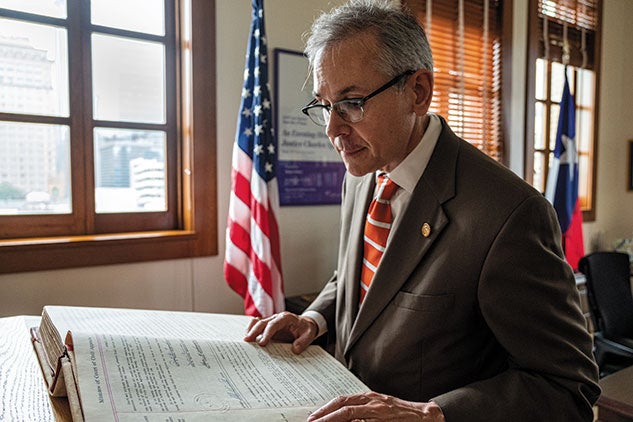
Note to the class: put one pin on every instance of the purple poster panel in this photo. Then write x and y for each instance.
(309, 183)
(309, 170)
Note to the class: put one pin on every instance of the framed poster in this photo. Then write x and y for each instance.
(309, 170)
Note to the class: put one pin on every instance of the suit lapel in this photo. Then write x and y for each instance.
(408, 245)
(363, 194)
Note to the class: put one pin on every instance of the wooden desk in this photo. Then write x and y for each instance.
(616, 402)
(23, 395)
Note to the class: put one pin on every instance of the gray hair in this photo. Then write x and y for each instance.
(402, 43)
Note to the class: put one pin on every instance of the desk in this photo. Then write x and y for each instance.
(616, 402)
(23, 395)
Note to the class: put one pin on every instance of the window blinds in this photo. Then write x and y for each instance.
(579, 18)
(465, 37)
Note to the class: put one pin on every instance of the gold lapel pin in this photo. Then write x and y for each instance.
(426, 230)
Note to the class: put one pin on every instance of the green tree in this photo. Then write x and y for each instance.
(8, 191)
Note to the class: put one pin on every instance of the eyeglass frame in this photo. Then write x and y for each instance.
(360, 102)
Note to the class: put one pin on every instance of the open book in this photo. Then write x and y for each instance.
(129, 365)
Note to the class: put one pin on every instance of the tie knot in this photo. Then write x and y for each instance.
(386, 187)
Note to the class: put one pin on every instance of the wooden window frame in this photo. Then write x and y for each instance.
(195, 232)
(535, 52)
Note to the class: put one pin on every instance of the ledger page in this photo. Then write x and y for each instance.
(193, 325)
(130, 378)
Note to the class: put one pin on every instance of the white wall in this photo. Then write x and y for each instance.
(515, 145)
(309, 234)
(614, 212)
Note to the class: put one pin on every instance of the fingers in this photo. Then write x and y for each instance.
(262, 330)
(284, 326)
(273, 325)
(372, 406)
(254, 329)
(301, 343)
(252, 322)
(306, 337)
(342, 408)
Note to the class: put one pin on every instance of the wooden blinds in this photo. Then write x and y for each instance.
(465, 37)
(579, 18)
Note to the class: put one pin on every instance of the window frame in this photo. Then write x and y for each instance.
(83, 219)
(534, 53)
(194, 229)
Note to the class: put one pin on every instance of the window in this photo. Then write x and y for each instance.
(563, 31)
(466, 40)
(107, 124)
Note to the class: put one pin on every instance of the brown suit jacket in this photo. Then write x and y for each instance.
(482, 316)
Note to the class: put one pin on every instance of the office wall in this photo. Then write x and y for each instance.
(614, 211)
(309, 234)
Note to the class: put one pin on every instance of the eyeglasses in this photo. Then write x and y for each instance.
(351, 110)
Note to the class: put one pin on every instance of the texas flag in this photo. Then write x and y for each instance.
(562, 180)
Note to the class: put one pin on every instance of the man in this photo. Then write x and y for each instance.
(472, 313)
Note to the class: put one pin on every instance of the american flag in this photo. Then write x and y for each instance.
(252, 265)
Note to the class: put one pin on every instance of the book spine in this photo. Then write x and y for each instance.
(71, 390)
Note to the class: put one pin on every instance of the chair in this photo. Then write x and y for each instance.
(608, 277)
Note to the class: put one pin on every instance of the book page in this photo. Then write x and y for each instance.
(58, 320)
(194, 325)
(130, 378)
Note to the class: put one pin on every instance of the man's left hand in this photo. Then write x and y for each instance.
(371, 406)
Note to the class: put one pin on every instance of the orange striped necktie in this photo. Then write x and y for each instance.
(377, 226)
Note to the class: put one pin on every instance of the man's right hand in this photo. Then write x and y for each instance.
(285, 326)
